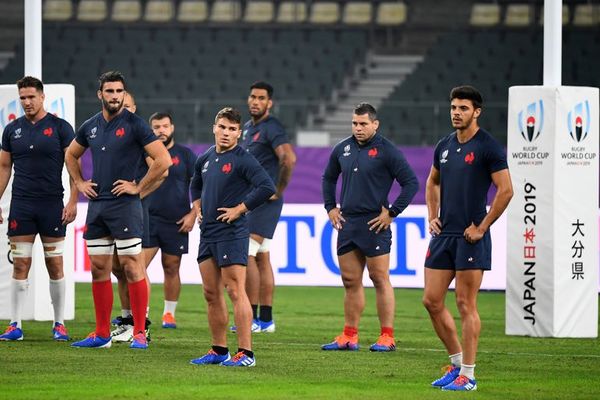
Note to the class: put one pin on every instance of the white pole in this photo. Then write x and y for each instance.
(552, 43)
(33, 38)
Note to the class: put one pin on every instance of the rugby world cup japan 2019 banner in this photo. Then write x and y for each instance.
(303, 250)
(552, 237)
(60, 100)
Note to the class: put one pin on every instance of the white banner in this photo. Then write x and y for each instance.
(552, 272)
(303, 250)
(60, 100)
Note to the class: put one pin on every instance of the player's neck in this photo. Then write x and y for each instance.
(260, 119)
(464, 135)
(220, 149)
(171, 144)
(108, 116)
(37, 117)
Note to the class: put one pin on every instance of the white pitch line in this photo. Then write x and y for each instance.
(413, 349)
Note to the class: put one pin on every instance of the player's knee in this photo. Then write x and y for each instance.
(351, 282)
(379, 280)
(465, 305)
(433, 305)
(234, 292)
(118, 271)
(211, 295)
(171, 269)
(55, 268)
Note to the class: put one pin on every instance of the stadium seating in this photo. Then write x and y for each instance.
(92, 10)
(324, 12)
(192, 11)
(259, 12)
(58, 10)
(391, 13)
(518, 15)
(126, 10)
(225, 11)
(485, 15)
(357, 13)
(291, 12)
(159, 11)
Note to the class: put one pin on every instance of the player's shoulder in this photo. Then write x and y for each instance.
(385, 142)
(487, 139)
(211, 150)
(133, 119)
(341, 145)
(91, 121)
(58, 121)
(14, 124)
(274, 123)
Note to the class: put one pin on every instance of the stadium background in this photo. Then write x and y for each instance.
(193, 57)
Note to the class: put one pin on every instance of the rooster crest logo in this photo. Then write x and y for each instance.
(227, 168)
(469, 158)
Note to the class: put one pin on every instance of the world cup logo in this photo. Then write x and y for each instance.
(578, 121)
(531, 121)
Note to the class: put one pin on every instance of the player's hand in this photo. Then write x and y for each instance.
(1, 219)
(435, 226)
(187, 222)
(473, 233)
(199, 218)
(381, 222)
(336, 219)
(69, 213)
(87, 188)
(275, 196)
(229, 214)
(124, 187)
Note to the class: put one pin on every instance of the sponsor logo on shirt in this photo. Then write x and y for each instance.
(48, 132)
(244, 133)
(444, 158)
(13, 224)
(120, 132)
(17, 134)
(205, 167)
(373, 152)
(227, 168)
(256, 137)
(346, 151)
(469, 158)
(175, 160)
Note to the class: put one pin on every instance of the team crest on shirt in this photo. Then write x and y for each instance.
(372, 152)
(93, 132)
(48, 132)
(469, 158)
(120, 132)
(175, 160)
(444, 158)
(17, 134)
(205, 167)
(226, 168)
(346, 151)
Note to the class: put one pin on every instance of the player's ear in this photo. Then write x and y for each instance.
(99, 94)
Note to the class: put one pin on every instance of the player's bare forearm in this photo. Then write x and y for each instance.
(287, 162)
(504, 193)
(5, 172)
(432, 194)
(154, 176)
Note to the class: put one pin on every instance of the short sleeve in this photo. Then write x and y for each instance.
(66, 134)
(143, 133)
(6, 140)
(436, 155)
(80, 137)
(277, 135)
(496, 158)
(191, 161)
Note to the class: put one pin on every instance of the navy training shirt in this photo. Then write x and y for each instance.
(171, 200)
(368, 172)
(38, 155)
(226, 180)
(117, 149)
(261, 140)
(465, 178)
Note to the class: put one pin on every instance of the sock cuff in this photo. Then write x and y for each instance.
(138, 283)
(350, 330)
(57, 281)
(21, 284)
(468, 366)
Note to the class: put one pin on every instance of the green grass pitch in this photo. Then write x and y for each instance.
(290, 364)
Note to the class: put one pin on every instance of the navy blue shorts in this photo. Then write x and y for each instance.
(146, 221)
(355, 234)
(455, 253)
(263, 220)
(118, 218)
(227, 252)
(165, 236)
(33, 216)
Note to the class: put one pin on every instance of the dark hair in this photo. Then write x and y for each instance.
(231, 114)
(30, 81)
(111, 76)
(160, 115)
(130, 95)
(467, 92)
(366, 108)
(263, 85)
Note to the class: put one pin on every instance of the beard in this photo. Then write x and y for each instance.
(112, 108)
(168, 141)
